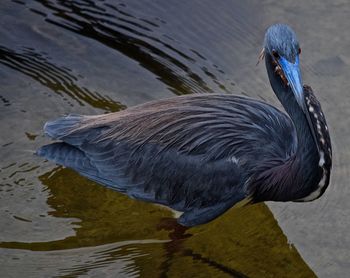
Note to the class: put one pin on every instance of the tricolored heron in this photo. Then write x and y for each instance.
(202, 154)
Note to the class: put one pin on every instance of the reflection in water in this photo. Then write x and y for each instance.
(59, 80)
(109, 260)
(229, 246)
(109, 24)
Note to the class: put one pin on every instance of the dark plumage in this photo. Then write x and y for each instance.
(202, 154)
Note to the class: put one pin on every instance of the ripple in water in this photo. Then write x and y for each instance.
(59, 80)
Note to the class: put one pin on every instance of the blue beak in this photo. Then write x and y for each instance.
(293, 75)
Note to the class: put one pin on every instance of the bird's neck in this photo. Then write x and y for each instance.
(305, 161)
(285, 95)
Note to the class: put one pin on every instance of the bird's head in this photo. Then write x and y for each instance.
(282, 50)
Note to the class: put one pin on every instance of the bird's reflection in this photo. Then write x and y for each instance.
(136, 237)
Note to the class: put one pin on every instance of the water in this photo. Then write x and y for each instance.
(90, 57)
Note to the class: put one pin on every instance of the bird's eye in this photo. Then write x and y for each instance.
(299, 51)
(275, 54)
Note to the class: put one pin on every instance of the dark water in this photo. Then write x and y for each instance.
(89, 57)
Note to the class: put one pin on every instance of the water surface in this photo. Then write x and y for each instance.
(90, 57)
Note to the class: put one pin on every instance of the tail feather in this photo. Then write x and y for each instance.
(60, 127)
(71, 157)
(67, 155)
(68, 130)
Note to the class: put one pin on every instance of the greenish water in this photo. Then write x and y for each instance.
(90, 57)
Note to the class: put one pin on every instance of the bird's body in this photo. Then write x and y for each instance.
(202, 154)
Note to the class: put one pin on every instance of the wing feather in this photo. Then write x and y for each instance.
(191, 153)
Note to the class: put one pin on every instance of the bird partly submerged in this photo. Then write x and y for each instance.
(202, 154)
